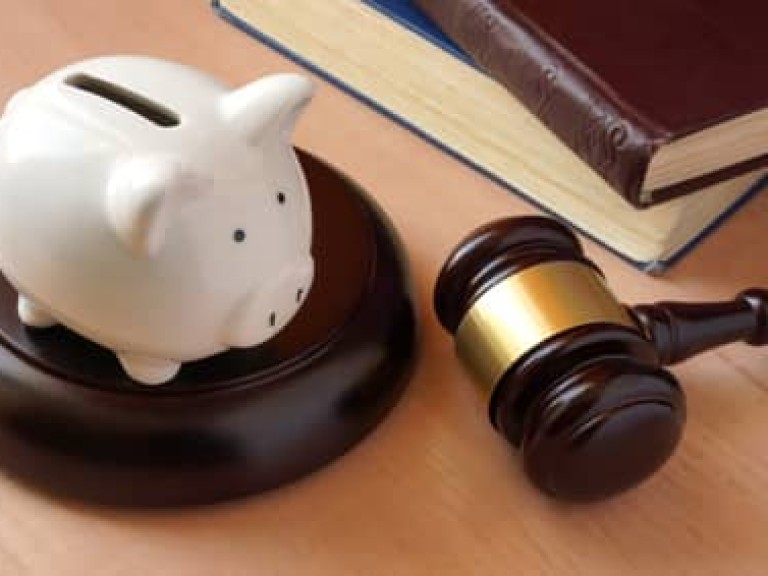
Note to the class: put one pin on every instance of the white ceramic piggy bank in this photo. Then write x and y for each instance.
(154, 211)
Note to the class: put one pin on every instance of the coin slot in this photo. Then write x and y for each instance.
(136, 103)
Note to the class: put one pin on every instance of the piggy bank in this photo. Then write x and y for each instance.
(154, 211)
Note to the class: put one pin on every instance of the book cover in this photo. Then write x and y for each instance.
(413, 75)
(660, 97)
(407, 14)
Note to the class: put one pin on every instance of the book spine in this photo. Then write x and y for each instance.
(605, 133)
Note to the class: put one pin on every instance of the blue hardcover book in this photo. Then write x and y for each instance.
(471, 117)
(408, 15)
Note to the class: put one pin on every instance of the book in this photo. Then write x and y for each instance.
(658, 96)
(413, 75)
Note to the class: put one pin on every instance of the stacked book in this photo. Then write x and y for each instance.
(642, 124)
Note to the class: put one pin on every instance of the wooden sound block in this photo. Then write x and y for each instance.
(73, 424)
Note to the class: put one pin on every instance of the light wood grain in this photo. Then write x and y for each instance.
(433, 490)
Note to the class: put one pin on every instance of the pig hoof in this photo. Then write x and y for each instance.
(33, 315)
(148, 370)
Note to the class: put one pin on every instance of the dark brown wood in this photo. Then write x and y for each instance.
(494, 252)
(526, 380)
(592, 409)
(681, 330)
(73, 424)
(602, 429)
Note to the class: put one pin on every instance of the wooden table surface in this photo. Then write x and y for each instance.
(433, 490)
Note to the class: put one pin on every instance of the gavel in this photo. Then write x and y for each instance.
(574, 378)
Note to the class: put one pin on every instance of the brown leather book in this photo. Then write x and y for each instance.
(660, 97)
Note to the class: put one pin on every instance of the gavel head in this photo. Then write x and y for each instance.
(570, 378)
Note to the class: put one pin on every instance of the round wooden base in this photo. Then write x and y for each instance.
(73, 424)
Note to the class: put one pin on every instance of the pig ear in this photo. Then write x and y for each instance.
(140, 196)
(269, 107)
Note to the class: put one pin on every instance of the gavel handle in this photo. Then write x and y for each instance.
(682, 330)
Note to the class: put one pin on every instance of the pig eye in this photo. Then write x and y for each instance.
(281, 198)
(239, 235)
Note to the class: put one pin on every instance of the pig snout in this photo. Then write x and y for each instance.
(286, 293)
(269, 307)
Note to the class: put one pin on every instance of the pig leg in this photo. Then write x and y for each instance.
(33, 314)
(146, 369)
